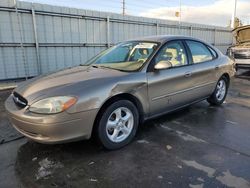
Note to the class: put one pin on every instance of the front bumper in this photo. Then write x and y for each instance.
(55, 128)
(242, 63)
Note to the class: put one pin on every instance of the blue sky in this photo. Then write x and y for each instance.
(132, 6)
(213, 12)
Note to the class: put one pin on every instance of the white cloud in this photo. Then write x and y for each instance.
(218, 13)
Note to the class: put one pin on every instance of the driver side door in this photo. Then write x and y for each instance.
(169, 88)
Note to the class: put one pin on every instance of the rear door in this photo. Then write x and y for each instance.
(204, 68)
(169, 89)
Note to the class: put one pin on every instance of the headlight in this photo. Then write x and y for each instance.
(230, 53)
(52, 105)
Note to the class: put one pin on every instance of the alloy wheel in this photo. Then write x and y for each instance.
(221, 90)
(120, 124)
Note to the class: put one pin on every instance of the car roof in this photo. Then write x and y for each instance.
(164, 38)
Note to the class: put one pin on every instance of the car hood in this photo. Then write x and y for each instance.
(44, 84)
(242, 34)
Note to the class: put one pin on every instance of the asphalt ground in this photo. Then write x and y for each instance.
(199, 146)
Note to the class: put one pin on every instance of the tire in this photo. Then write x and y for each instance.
(220, 92)
(117, 125)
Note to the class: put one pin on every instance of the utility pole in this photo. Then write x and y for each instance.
(123, 7)
(180, 4)
(234, 14)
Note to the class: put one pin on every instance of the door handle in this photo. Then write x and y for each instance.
(188, 74)
(216, 67)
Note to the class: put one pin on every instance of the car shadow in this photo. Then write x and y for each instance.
(243, 74)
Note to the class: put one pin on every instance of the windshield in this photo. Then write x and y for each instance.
(127, 56)
(244, 35)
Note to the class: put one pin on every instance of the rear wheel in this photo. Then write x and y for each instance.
(220, 92)
(118, 124)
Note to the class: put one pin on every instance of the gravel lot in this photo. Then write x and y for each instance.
(199, 146)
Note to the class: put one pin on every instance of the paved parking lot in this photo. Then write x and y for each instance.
(199, 146)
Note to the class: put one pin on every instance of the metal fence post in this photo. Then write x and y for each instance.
(214, 36)
(39, 67)
(21, 40)
(108, 31)
(157, 28)
(191, 30)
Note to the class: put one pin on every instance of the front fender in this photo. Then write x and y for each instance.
(96, 97)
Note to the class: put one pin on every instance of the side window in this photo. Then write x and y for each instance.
(174, 53)
(200, 52)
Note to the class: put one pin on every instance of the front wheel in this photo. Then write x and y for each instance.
(220, 92)
(118, 124)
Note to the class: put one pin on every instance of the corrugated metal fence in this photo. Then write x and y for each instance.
(36, 39)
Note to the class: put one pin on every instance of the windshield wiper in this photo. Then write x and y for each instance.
(106, 67)
(83, 64)
(110, 68)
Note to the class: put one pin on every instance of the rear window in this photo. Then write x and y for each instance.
(200, 52)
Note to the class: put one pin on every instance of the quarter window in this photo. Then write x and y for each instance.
(174, 53)
(200, 53)
(213, 52)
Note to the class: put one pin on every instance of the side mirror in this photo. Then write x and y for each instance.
(163, 65)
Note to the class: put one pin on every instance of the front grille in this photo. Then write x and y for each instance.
(241, 55)
(19, 100)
